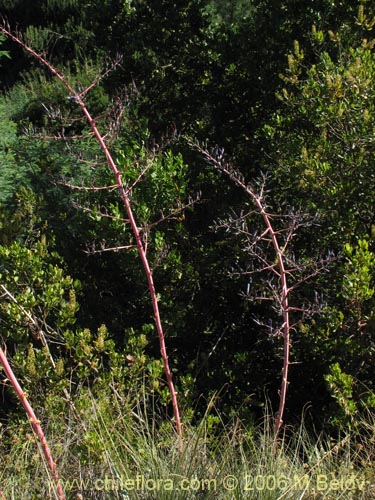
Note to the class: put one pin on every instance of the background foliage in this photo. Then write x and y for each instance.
(287, 90)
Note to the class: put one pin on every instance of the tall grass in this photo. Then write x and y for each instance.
(110, 454)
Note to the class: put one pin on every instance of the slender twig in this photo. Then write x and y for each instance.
(124, 195)
(173, 215)
(98, 213)
(109, 249)
(101, 77)
(88, 188)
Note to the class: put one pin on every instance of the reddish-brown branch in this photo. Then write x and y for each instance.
(282, 298)
(34, 422)
(284, 294)
(76, 97)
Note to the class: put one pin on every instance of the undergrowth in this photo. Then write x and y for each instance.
(105, 451)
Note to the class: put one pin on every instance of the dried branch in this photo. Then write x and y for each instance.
(236, 176)
(283, 267)
(93, 250)
(112, 66)
(140, 176)
(87, 188)
(172, 215)
(100, 214)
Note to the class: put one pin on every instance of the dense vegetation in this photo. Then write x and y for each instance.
(284, 93)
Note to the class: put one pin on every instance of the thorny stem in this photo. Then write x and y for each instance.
(282, 274)
(126, 202)
(283, 300)
(34, 422)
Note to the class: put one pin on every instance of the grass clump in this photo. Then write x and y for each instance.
(108, 453)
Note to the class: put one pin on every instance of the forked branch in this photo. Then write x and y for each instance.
(281, 272)
(78, 98)
(271, 248)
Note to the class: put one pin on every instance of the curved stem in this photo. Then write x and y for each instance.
(34, 422)
(283, 298)
(282, 275)
(126, 202)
